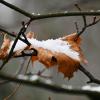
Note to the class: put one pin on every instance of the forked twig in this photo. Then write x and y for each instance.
(88, 25)
(95, 21)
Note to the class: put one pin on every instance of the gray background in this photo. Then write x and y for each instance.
(52, 28)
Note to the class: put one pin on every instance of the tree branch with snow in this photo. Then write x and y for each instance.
(47, 84)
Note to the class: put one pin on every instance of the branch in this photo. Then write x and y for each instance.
(92, 79)
(48, 85)
(50, 15)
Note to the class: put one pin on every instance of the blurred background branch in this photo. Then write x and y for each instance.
(47, 84)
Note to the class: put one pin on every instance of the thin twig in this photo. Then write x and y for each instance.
(84, 17)
(88, 25)
(92, 79)
(76, 25)
(12, 93)
(18, 85)
(17, 72)
(85, 26)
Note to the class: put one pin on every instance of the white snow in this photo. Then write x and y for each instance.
(25, 77)
(56, 45)
(48, 81)
(20, 45)
(34, 78)
(67, 86)
(92, 88)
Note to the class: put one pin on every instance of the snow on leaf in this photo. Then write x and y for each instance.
(64, 52)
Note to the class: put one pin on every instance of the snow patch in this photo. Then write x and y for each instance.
(92, 88)
(56, 45)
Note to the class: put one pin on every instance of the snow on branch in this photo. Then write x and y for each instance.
(50, 15)
(47, 84)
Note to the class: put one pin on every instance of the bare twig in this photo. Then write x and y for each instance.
(76, 25)
(95, 21)
(17, 72)
(12, 93)
(84, 17)
(87, 25)
(50, 15)
(92, 79)
(18, 85)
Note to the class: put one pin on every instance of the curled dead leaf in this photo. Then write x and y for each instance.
(66, 64)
